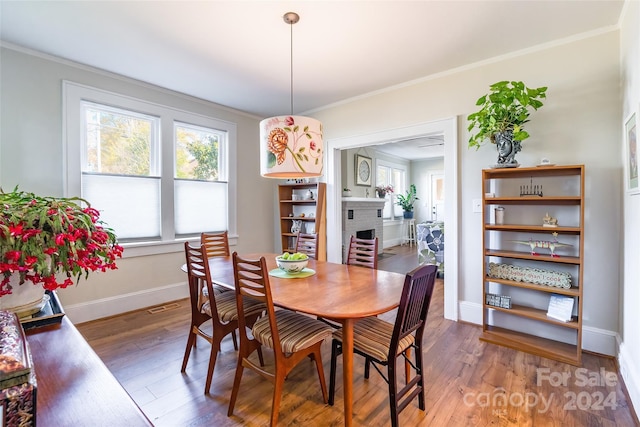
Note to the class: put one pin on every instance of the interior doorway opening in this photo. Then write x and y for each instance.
(448, 128)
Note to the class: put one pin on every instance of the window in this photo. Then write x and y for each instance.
(157, 174)
(200, 179)
(395, 175)
(120, 169)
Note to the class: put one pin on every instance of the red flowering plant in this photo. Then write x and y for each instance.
(52, 241)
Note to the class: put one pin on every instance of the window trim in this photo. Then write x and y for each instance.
(73, 93)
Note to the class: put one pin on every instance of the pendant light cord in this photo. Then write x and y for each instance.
(291, 63)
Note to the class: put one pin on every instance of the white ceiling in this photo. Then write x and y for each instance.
(237, 53)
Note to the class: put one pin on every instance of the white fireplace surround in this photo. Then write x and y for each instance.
(361, 214)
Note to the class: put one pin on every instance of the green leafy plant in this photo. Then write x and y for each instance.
(408, 199)
(506, 107)
(52, 241)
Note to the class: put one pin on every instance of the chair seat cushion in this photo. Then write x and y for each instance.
(227, 308)
(217, 289)
(372, 336)
(296, 331)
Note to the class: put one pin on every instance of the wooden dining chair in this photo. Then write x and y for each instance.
(381, 342)
(218, 310)
(307, 244)
(217, 244)
(363, 252)
(292, 336)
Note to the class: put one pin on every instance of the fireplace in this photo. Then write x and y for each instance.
(366, 234)
(361, 217)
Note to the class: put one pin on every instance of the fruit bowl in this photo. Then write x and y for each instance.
(291, 265)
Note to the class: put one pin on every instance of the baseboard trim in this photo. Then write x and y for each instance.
(105, 307)
(595, 340)
(470, 312)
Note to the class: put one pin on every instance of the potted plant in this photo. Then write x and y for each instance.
(503, 112)
(407, 200)
(383, 190)
(346, 192)
(51, 242)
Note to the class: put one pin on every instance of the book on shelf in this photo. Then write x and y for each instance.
(560, 308)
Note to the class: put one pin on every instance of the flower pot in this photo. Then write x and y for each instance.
(25, 299)
(507, 149)
(408, 215)
(346, 193)
(381, 194)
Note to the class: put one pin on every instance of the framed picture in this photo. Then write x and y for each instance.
(364, 170)
(631, 150)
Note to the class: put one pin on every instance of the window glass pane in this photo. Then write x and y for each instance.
(197, 153)
(399, 184)
(130, 205)
(118, 141)
(200, 206)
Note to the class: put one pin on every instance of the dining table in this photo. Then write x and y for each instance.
(338, 292)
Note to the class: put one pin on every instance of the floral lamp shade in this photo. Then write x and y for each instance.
(291, 147)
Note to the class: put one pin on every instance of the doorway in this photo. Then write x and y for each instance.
(446, 127)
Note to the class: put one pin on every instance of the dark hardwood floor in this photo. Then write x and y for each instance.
(468, 382)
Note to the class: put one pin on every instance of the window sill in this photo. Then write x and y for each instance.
(138, 249)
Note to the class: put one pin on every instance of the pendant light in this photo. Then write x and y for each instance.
(291, 146)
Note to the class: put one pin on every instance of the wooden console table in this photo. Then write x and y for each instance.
(75, 388)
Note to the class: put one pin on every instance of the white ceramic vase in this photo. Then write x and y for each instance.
(25, 299)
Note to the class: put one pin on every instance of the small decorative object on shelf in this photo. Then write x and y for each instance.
(502, 301)
(560, 308)
(346, 192)
(296, 226)
(537, 276)
(499, 215)
(17, 378)
(549, 221)
(545, 244)
(531, 190)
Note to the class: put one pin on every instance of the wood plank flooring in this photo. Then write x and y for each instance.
(468, 382)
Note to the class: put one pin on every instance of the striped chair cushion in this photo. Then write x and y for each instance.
(217, 289)
(227, 309)
(297, 331)
(372, 336)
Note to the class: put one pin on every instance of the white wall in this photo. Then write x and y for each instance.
(31, 154)
(579, 124)
(629, 338)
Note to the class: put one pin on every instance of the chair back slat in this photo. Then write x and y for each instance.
(414, 305)
(307, 244)
(216, 244)
(363, 252)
